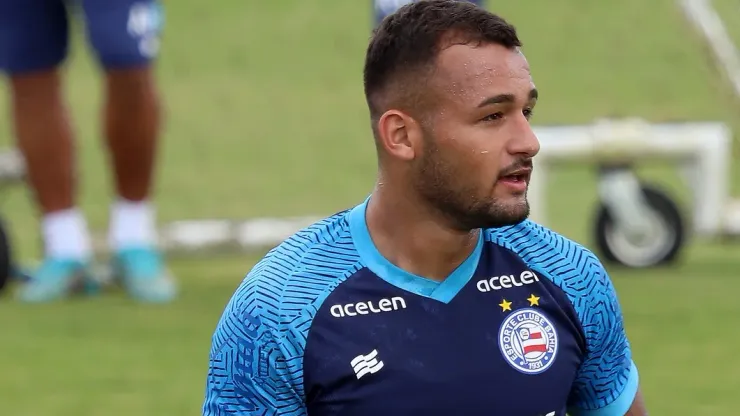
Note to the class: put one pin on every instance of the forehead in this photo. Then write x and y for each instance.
(476, 72)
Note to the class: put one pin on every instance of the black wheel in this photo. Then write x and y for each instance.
(658, 246)
(5, 258)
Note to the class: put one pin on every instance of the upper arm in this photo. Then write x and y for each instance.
(247, 370)
(607, 380)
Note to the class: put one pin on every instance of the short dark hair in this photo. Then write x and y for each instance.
(407, 42)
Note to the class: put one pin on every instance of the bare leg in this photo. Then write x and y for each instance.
(132, 123)
(125, 35)
(44, 135)
(35, 47)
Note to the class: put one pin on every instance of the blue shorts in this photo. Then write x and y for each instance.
(34, 34)
(383, 8)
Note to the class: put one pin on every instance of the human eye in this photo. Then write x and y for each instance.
(493, 117)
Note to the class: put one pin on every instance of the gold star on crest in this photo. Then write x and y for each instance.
(505, 305)
(534, 300)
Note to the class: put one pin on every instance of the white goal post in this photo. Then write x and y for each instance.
(702, 151)
(708, 22)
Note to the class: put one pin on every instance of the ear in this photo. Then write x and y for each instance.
(400, 135)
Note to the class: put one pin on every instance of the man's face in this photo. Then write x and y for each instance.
(478, 143)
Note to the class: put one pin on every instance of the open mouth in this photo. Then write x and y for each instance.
(517, 180)
(519, 177)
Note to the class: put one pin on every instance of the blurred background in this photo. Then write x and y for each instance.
(266, 118)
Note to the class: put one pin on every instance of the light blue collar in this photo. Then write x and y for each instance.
(442, 292)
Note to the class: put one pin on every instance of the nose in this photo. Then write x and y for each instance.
(523, 141)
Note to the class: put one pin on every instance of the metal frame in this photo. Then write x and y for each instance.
(701, 150)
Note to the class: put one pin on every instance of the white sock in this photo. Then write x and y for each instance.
(66, 235)
(132, 224)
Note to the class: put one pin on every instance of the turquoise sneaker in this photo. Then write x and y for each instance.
(56, 279)
(143, 274)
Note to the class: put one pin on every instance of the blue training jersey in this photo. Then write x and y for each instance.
(324, 325)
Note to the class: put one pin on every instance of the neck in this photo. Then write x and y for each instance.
(414, 237)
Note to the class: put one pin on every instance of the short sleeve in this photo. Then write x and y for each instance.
(247, 370)
(607, 380)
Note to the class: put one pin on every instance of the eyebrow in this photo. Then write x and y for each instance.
(506, 98)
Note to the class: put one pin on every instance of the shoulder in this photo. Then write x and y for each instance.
(285, 289)
(572, 267)
(544, 247)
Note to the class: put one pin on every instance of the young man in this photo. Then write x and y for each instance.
(33, 45)
(435, 296)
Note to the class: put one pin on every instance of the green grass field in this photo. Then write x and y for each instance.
(267, 117)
